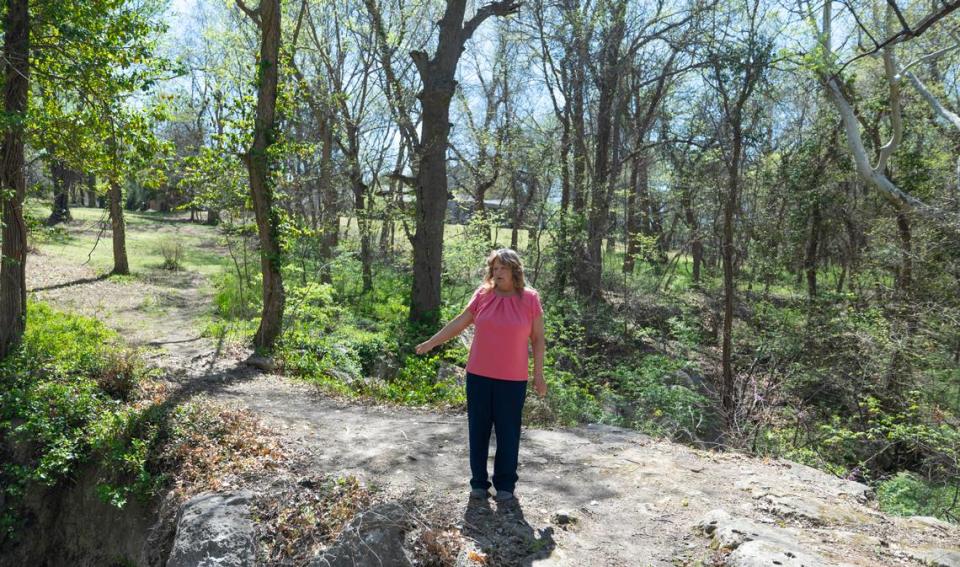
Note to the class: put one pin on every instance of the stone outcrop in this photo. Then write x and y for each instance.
(374, 537)
(215, 530)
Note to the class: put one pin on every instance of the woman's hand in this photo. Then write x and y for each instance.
(425, 346)
(540, 386)
(450, 330)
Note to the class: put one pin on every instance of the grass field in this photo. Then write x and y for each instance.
(146, 232)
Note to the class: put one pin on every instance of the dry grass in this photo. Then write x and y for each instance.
(212, 447)
(296, 522)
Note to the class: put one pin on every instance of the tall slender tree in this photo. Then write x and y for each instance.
(13, 254)
(738, 67)
(257, 158)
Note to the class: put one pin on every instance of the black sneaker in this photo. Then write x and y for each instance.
(504, 496)
(479, 493)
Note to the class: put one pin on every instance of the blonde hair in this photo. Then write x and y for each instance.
(510, 258)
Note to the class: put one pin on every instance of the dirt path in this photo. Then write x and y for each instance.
(587, 496)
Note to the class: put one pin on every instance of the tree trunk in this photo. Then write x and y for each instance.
(329, 213)
(696, 243)
(120, 264)
(575, 245)
(437, 74)
(92, 198)
(905, 275)
(813, 245)
(359, 206)
(431, 205)
(515, 221)
(261, 187)
(591, 263)
(63, 182)
(562, 249)
(729, 209)
(16, 69)
(638, 182)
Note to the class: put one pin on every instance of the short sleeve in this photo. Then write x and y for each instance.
(474, 305)
(536, 310)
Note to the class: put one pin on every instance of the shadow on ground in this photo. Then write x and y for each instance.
(504, 534)
(81, 281)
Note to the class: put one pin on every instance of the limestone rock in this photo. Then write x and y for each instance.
(935, 557)
(931, 522)
(264, 363)
(730, 533)
(214, 530)
(448, 371)
(374, 537)
(759, 553)
(810, 509)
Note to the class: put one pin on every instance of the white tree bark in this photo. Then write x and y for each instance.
(945, 116)
(874, 175)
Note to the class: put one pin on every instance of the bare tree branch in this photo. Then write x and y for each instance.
(896, 106)
(902, 201)
(942, 112)
(422, 61)
(928, 57)
(503, 8)
(947, 8)
(253, 14)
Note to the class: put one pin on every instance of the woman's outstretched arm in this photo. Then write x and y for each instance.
(450, 330)
(539, 349)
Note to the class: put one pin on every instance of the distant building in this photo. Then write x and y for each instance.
(461, 208)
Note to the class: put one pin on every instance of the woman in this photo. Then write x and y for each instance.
(507, 316)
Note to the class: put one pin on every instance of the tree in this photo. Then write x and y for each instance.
(437, 75)
(89, 60)
(65, 180)
(16, 73)
(259, 161)
(737, 68)
(605, 169)
(350, 77)
(830, 71)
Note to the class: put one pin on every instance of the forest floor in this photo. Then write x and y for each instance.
(592, 495)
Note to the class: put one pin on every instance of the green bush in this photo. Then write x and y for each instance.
(236, 298)
(569, 402)
(312, 354)
(906, 494)
(62, 404)
(653, 403)
(172, 251)
(418, 383)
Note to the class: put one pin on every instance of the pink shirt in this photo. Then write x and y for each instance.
(502, 333)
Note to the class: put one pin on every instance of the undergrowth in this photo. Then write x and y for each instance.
(72, 396)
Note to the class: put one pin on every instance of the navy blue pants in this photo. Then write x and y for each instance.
(496, 403)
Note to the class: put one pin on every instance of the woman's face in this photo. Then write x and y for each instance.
(502, 276)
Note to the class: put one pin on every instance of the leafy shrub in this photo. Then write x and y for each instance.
(55, 409)
(684, 331)
(418, 383)
(172, 251)
(463, 256)
(237, 299)
(655, 405)
(568, 402)
(312, 353)
(906, 494)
